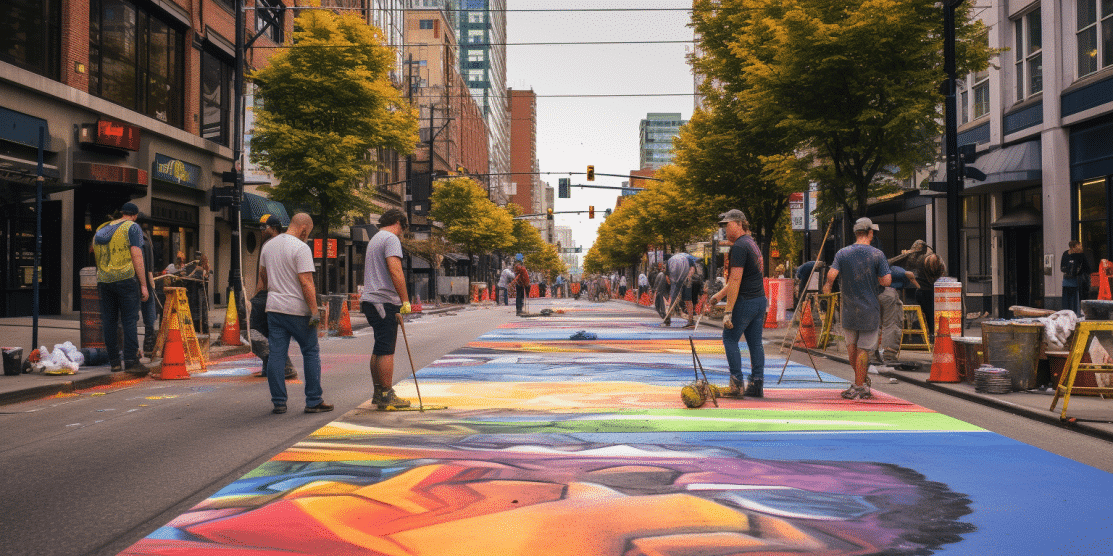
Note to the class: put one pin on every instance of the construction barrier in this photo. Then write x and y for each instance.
(575, 288)
(948, 305)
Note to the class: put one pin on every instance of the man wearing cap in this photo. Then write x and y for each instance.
(118, 247)
(745, 304)
(864, 271)
(385, 297)
(521, 283)
(260, 345)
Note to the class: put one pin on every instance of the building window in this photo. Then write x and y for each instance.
(1093, 222)
(477, 56)
(135, 60)
(476, 17)
(1092, 55)
(964, 106)
(981, 94)
(1029, 55)
(216, 98)
(31, 36)
(270, 11)
(475, 35)
(425, 24)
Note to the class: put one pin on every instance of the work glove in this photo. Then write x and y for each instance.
(406, 309)
(314, 321)
(726, 321)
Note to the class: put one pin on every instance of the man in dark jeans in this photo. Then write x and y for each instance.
(521, 282)
(260, 345)
(1076, 276)
(746, 305)
(149, 307)
(118, 246)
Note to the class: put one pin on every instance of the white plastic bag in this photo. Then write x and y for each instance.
(72, 353)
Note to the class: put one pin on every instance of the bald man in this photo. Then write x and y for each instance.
(286, 272)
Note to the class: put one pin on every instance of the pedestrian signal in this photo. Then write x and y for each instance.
(591, 211)
(564, 188)
(550, 214)
(590, 172)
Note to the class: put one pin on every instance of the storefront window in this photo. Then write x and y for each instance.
(135, 60)
(1093, 226)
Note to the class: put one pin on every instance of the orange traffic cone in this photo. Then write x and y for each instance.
(1105, 269)
(231, 333)
(773, 288)
(533, 291)
(943, 368)
(345, 330)
(807, 326)
(173, 356)
(485, 296)
(417, 308)
(646, 300)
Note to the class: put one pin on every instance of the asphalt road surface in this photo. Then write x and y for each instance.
(95, 472)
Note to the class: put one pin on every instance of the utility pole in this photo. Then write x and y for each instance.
(409, 170)
(235, 276)
(954, 178)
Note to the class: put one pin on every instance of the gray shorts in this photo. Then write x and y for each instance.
(864, 339)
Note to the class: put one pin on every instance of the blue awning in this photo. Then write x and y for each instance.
(254, 207)
(1015, 163)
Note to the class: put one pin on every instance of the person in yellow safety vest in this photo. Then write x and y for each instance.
(118, 247)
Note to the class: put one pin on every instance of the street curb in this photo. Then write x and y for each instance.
(1015, 409)
(47, 390)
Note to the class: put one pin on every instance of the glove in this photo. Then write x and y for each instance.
(406, 309)
(314, 321)
(726, 321)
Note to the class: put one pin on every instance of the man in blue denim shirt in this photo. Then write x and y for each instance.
(746, 304)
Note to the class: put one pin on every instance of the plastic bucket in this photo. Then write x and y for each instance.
(1016, 347)
(13, 360)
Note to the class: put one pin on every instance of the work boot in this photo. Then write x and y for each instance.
(857, 393)
(319, 408)
(384, 399)
(149, 338)
(755, 390)
(117, 367)
(136, 368)
(735, 389)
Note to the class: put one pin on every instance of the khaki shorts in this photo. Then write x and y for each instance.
(864, 339)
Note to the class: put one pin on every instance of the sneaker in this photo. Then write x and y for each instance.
(279, 409)
(755, 389)
(691, 324)
(387, 398)
(857, 393)
(136, 368)
(319, 408)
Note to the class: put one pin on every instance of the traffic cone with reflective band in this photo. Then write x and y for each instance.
(173, 356)
(345, 329)
(231, 334)
(485, 296)
(943, 368)
(772, 288)
(807, 326)
(1105, 270)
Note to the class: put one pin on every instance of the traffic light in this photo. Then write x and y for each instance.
(550, 214)
(590, 172)
(591, 210)
(967, 154)
(606, 213)
(221, 197)
(564, 188)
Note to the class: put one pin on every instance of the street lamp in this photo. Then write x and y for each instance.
(954, 178)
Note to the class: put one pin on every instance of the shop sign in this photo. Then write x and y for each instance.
(318, 247)
(176, 171)
(107, 133)
(108, 173)
(21, 128)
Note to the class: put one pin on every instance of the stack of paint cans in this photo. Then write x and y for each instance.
(992, 380)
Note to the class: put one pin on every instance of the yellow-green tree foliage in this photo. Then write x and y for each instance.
(470, 219)
(327, 101)
(854, 82)
(546, 260)
(526, 236)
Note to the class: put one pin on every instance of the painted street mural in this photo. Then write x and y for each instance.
(554, 446)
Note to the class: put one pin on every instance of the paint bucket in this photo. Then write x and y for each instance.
(968, 356)
(13, 360)
(1014, 346)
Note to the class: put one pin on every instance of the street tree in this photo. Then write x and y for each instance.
(547, 261)
(526, 237)
(855, 83)
(327, 103)
(470, 219)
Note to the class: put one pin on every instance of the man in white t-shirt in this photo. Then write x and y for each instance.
(286, 272)
(505, 278)
(384, 297)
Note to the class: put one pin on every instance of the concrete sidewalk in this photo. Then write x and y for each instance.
(54, 329)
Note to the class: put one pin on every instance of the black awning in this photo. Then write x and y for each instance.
(1021, 218)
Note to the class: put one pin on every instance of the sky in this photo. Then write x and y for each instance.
(575, 132)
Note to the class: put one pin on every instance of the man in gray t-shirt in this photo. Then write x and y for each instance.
(385, 297)
(862, 269)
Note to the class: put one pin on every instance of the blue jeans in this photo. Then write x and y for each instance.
(748, 318)
(502, 298)
(282, 328)
(1071, 299)
(149, 311)
(521, 299)
(119, 303)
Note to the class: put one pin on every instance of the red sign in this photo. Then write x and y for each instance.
(317, 249)
(108, 173)
(118, 135)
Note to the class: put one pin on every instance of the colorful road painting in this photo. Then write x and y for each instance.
(554, 452)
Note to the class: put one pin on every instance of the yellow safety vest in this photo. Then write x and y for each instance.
(114, 257)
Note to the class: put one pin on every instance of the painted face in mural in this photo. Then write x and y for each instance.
(478, 497)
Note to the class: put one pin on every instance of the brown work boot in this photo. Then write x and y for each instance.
(386, 399)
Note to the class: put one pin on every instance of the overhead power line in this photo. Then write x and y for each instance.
(484, 44)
